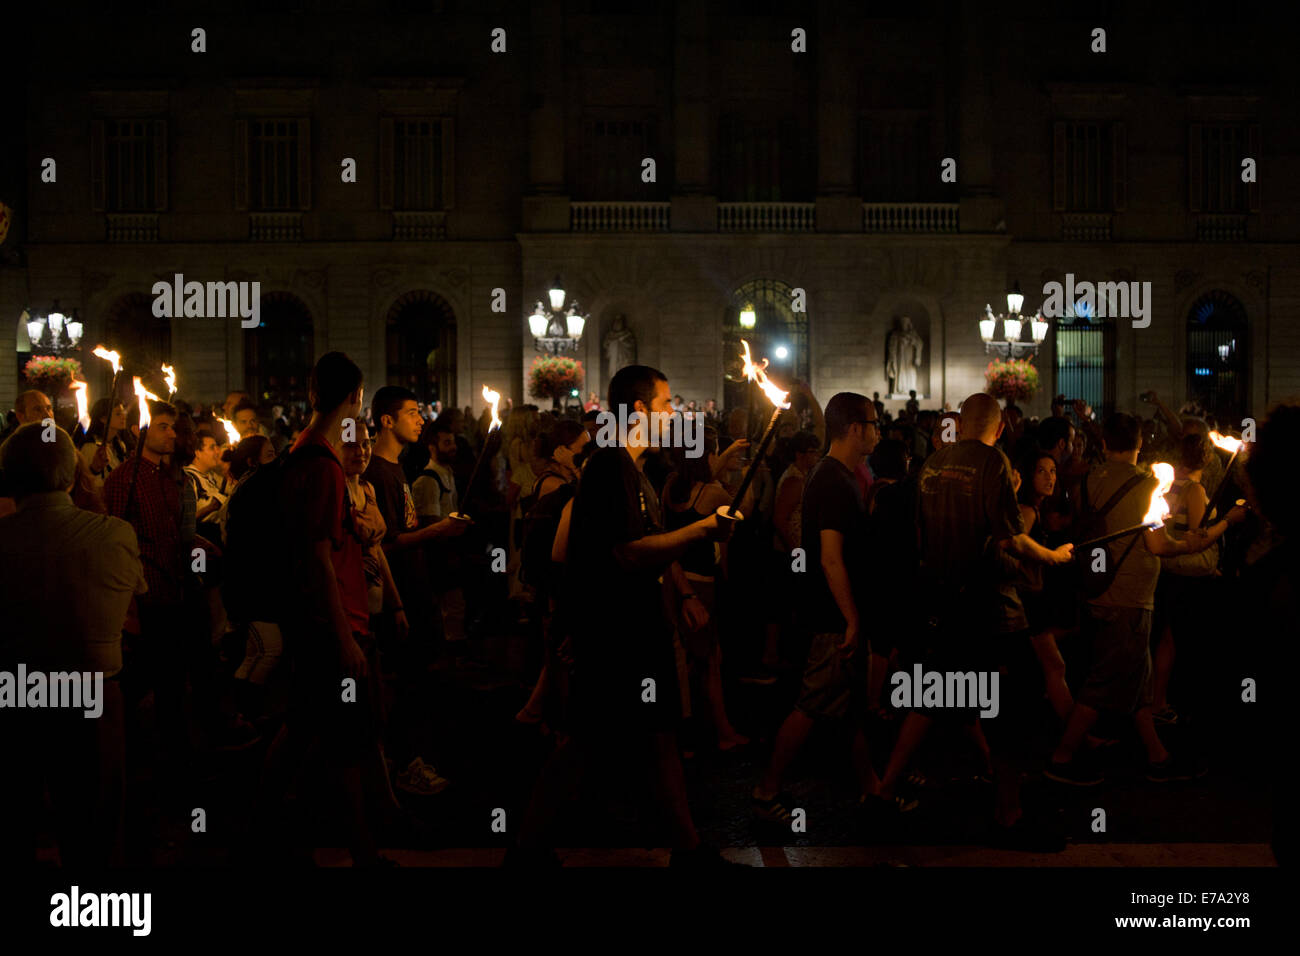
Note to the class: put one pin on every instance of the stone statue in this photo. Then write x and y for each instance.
(904, 353)
(619, 345)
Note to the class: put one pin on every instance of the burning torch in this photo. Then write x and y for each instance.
(1157, 511)
(1234, 446)
(493, 399)
(756, 373)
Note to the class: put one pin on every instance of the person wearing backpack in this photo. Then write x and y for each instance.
(325, 617)
(1118, 609)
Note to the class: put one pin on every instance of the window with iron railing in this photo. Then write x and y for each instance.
(613, 149)
(1215, 154)
(1085, 362)
(1090, 172)
(274, 174)
(764, 160)
(128, 165)
(416, 163)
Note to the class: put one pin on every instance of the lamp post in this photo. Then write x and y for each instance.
(53, 331)
(1012, 326)
(557, 329)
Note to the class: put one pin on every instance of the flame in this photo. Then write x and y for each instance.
(1226, 442)
(144, 397)
(169, 376)
(232, 433)
(493, 399)
(109, 356)
(83, 411)
(756, 373)
(1159, 508)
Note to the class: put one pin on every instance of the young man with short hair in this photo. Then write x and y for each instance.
(397, 417)
(833, 535)
(620, 567)
(1118, 621)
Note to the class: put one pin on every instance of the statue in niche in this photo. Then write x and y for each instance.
(619, 345)
(904, 355)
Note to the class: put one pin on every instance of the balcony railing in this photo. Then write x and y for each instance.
(133, 227)
(619, 216)
(909, 217)
(1220, 227)
(1086, 226)
(767, 216)
(419, 226)
(275, 226)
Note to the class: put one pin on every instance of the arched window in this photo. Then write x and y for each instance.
(280, 352)
(779, 334)
(421, 346)
(1218, 355)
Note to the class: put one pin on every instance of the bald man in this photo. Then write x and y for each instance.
(969, 520)
(33, 406)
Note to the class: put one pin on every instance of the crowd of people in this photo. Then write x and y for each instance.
(293, 584)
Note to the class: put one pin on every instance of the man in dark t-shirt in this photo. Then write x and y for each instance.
(968, 516)
(334, 683)
(624, 686)
(834, 542)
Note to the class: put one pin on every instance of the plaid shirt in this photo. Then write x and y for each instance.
(155, 515)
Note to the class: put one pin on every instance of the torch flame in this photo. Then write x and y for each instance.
(83, 412)
(109, 356)
(1159, 508)
(1226, 442)
(169, 376)
(232, 433)
(756, 373)
(493, 399)
(144, 397)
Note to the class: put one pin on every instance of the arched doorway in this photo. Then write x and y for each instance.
(1218, 355)
(143, 340)
(779, 334)
(280, 352)
(420, 343)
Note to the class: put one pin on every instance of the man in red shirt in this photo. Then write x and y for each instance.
(335, 690)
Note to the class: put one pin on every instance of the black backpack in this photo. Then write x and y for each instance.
(541, 521)
(258, 548)
(1091, 523)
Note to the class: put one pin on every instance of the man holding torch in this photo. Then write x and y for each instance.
(1118, 621)
(619, 569)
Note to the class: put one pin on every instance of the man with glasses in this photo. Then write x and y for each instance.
(834, 541)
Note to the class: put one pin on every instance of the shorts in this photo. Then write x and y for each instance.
(833, 686)
(1119, 678)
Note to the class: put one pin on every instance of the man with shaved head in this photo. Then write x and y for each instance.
(970, 523)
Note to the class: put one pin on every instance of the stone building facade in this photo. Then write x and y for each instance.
(794, 147)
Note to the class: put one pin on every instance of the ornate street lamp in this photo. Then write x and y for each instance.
(554, 330)
(1012, 326)
(53, 331)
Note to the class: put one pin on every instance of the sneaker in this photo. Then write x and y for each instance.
(1165, 715)
(775, 810)
(421, 779)
(1076, 773)
(898, 804)
(1176, 767)
(703, 855)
